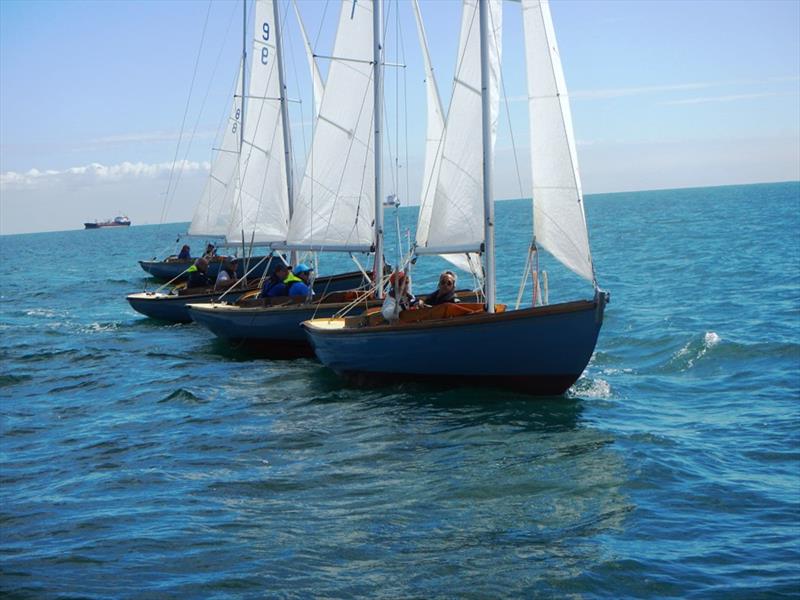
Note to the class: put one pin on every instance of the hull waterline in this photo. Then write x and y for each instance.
(540, 351)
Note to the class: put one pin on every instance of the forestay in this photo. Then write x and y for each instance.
(456, 215)
(212, 214)
(335, 207)
(262, 204)
(559, 219)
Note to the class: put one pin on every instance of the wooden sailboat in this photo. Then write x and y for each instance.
(335, 208)
(540, 349)
(255, 161)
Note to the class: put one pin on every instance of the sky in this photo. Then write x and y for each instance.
(98, 100)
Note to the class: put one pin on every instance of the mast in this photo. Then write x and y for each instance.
(244, 75)
(241, 120)
(486, 114)
(377, 43)
(287, 140)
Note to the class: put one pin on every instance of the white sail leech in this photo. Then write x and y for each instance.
(456, 211)
(334, 208)
(316, 78)
(559, 218)
(262, 204)
(213, 211)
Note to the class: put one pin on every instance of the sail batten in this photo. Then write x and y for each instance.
(559, 218)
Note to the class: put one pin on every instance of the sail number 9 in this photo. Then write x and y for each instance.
(265, 49)
(236, 120)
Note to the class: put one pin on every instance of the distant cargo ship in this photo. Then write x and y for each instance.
(116, 222)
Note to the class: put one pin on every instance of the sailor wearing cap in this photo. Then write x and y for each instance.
(297, 282)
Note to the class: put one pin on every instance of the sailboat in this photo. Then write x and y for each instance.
(541, 349)
(255, 161)
(337, 208)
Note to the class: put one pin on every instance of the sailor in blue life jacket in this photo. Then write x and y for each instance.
(185, 253)
(274, 285)
(297, 281)
(197, 274)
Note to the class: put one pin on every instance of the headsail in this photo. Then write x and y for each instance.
(559, 218)
(435, 130)
(316, 78)
(212, 213)
(334, 209)
(456, 214)
(262, 203)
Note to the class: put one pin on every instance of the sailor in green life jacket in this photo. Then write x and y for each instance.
(197, 274)
(296, 281)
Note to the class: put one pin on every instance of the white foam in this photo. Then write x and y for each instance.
(711, 339)
(591, 388)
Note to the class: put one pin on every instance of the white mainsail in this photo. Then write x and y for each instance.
(262, 203)
(212, 213)
(559, 218)
(334, 209)
(316, 78)
(456, 215)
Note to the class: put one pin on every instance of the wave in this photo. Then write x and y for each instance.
(183, 395)
(589, 387)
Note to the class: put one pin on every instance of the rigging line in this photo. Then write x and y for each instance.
(508, 115)
(186, 110)
(397, 98)
(321, 23)
(200, 113)
(405, 108)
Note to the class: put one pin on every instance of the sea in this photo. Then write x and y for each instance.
(140, 459)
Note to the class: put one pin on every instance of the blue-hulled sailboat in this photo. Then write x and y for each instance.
(335, 209)
(250, 187)
(542, 349)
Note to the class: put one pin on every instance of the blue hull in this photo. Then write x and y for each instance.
(274, 331)
(172, 269)
(174, 308)
(171, 307)
(539, 350)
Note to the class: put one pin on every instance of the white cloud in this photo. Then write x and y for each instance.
(147, 137)
(675, 87)
(95, 173)
(731, 98)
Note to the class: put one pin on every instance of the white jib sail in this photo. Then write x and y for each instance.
(456, 214)
(262, 204)
(316, 78)
(335, 208)
(559, 218)
(213, 212)
(433, 136)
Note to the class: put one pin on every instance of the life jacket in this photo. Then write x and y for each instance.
(290, 280)
(192, 269)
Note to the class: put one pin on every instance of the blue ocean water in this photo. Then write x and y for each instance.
(144, 460)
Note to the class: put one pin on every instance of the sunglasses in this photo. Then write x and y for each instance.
(446, 282)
